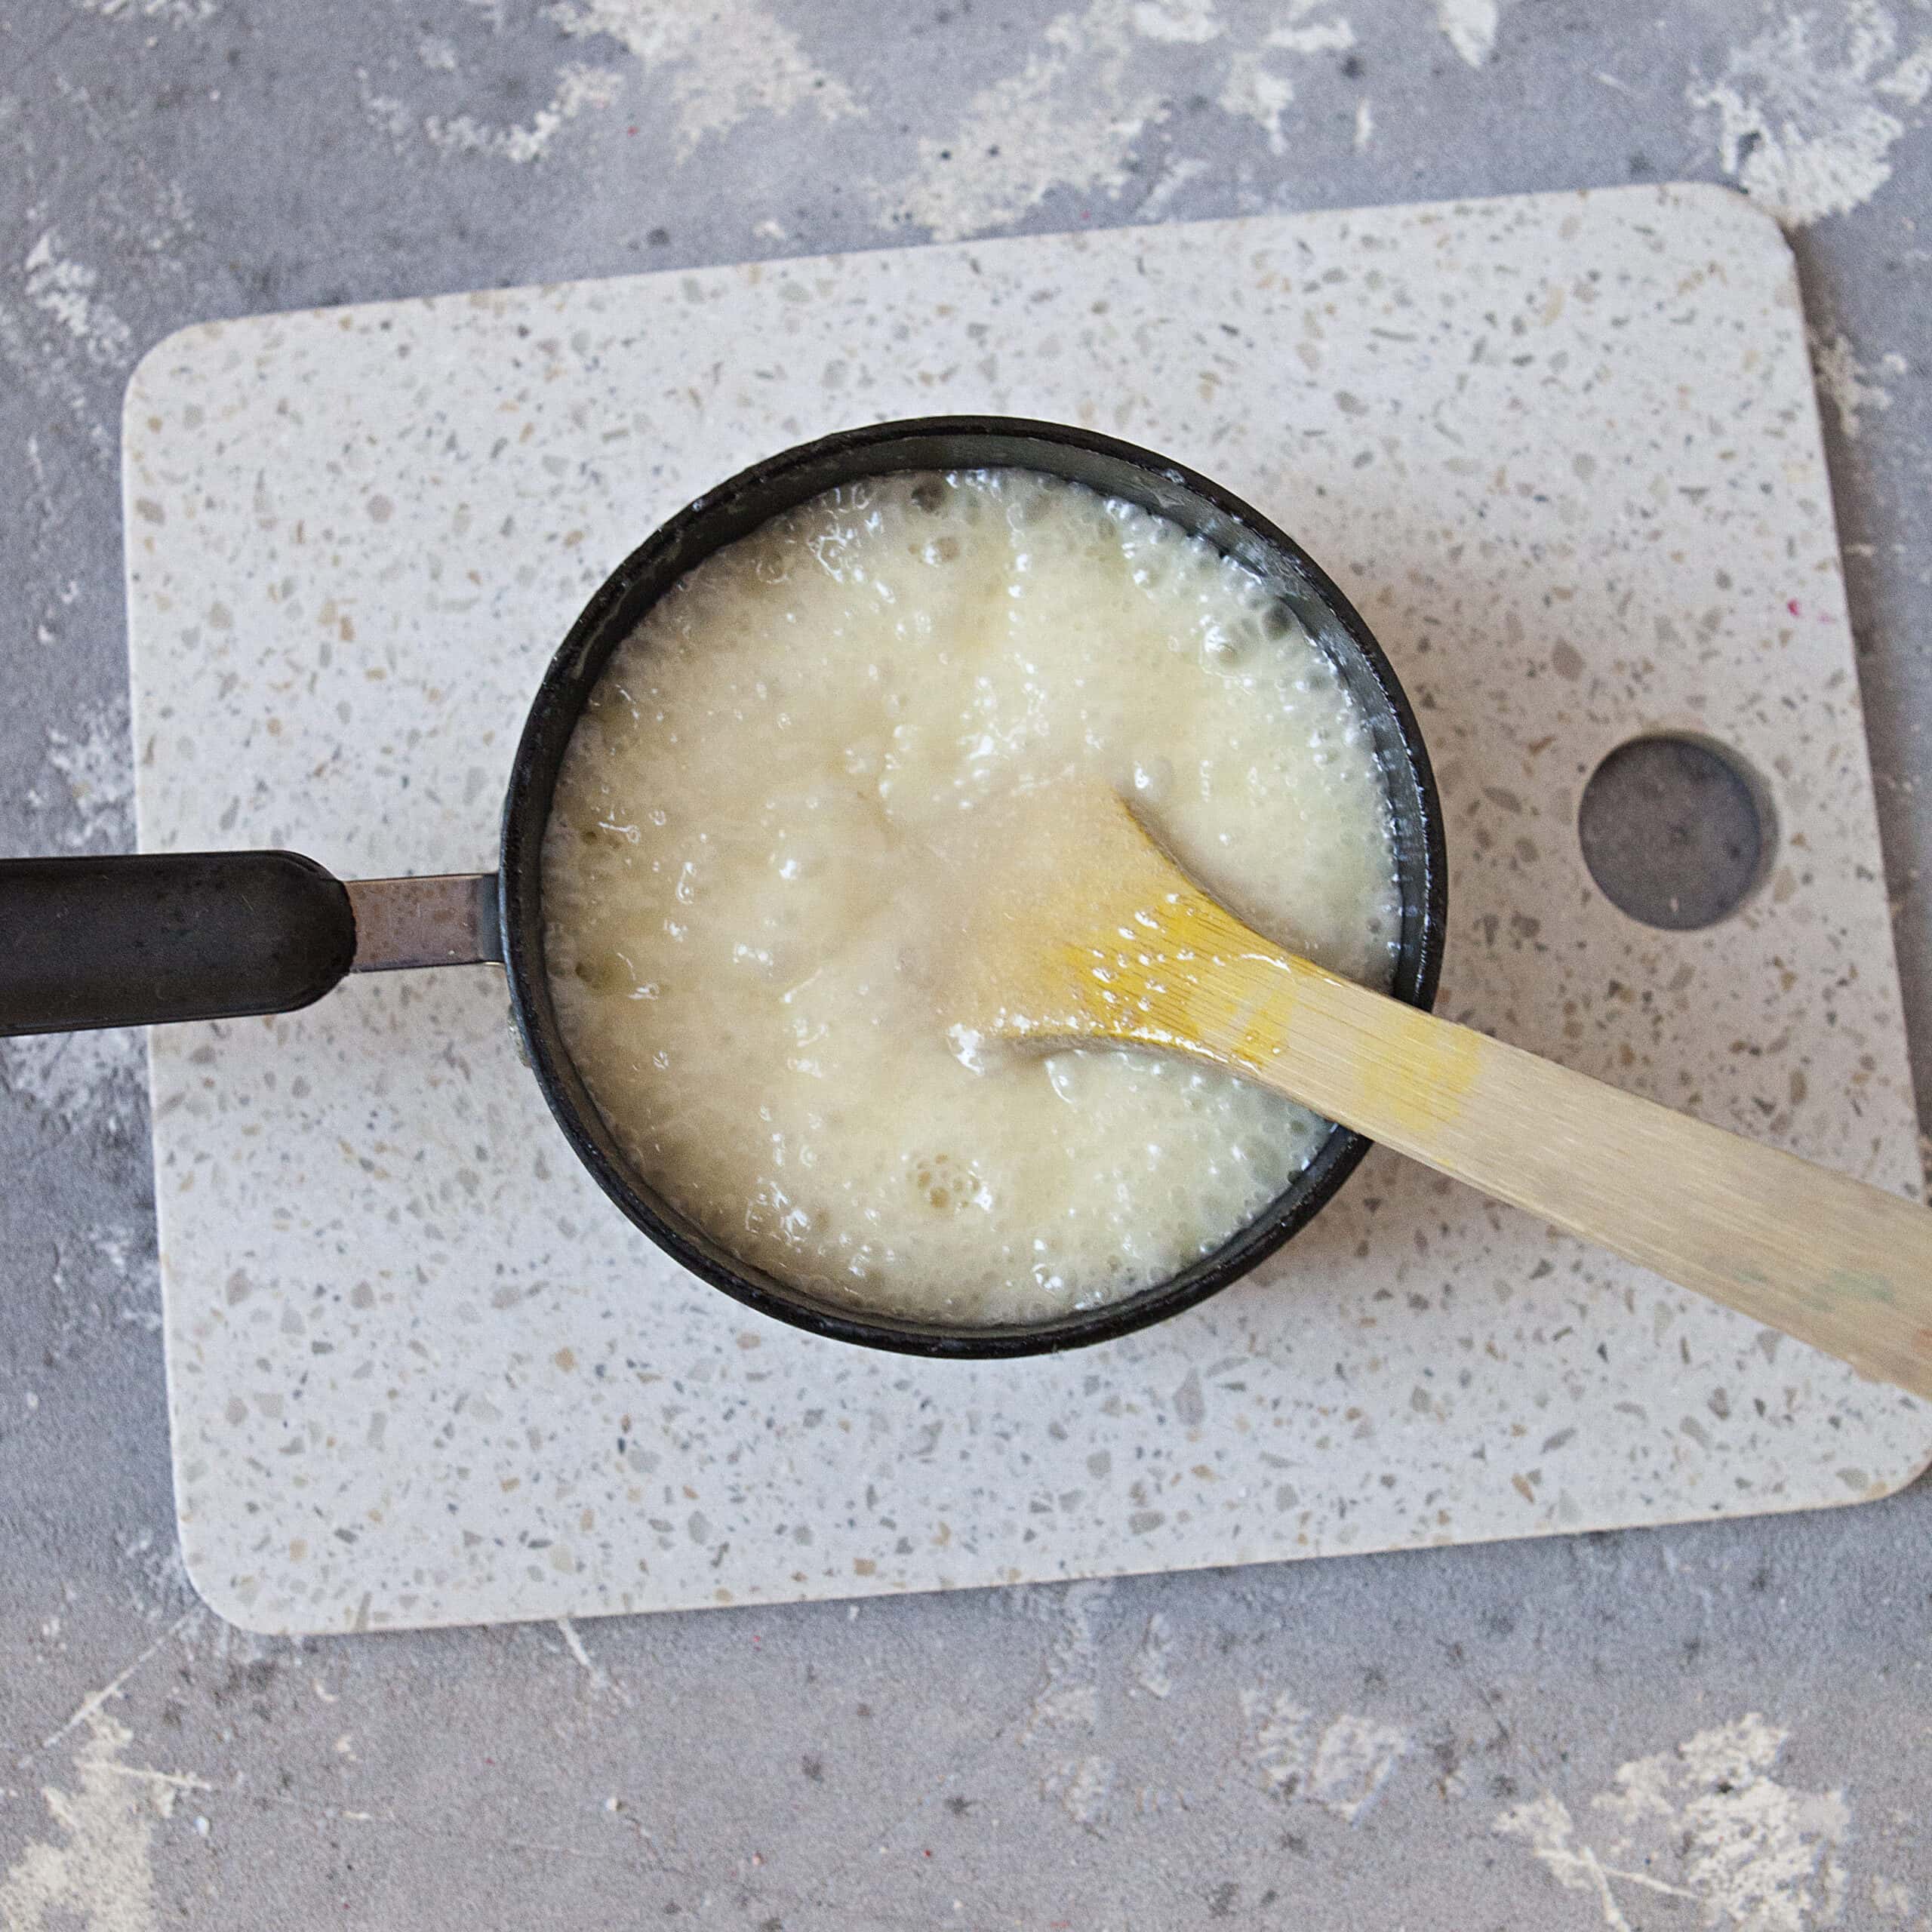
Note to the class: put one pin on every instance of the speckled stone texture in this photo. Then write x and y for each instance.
(1562, 450)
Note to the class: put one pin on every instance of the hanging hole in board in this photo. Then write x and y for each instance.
(1677, 830)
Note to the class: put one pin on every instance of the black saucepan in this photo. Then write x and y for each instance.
(145, 939)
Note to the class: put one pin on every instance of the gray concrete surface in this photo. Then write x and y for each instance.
(1722, 1725)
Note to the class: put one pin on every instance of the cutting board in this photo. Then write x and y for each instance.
(1563, 452)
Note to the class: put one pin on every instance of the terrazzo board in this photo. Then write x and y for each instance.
(1563, 452)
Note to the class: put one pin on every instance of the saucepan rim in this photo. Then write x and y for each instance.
(751, 498)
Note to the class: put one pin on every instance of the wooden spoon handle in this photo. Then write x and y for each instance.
(1836, 1263)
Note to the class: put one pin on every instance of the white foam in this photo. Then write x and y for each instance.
(739, 874)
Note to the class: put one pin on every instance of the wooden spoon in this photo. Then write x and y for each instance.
(1120, 947)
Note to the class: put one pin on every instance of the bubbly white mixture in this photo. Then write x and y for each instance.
(742, 895)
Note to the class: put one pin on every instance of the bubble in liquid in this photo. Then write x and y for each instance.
(1223, 648)
(1153, 779)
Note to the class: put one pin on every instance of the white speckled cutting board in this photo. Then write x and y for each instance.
(1562, 450)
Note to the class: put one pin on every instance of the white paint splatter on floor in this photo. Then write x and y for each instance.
(1084, 1787)
(1150, 1663)
(1709, 1821)
(1890, 1899)
(175, 13)
(1469, 26)
(1341, 1764)
(1848, 385)
(1070, 117)
(1071, 1693)
(59, 336)
(66, 289)
(1073, 114)
(1178, 22)
(1069, 1701)
(1278, 1742)
(1256, 86)
(1809, 111)
(79, 1078)
(95, 764)
(1177, 175)
(600, 1682)
(578, 88)
(1353, 1758)
(45, 376)
(98, 1872)
(725, 63)
(58, 327)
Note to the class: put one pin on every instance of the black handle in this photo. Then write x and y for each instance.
(135, 940)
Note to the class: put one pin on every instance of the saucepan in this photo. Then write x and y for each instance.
(147, 939)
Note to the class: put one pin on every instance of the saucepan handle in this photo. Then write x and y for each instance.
(137, 939)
